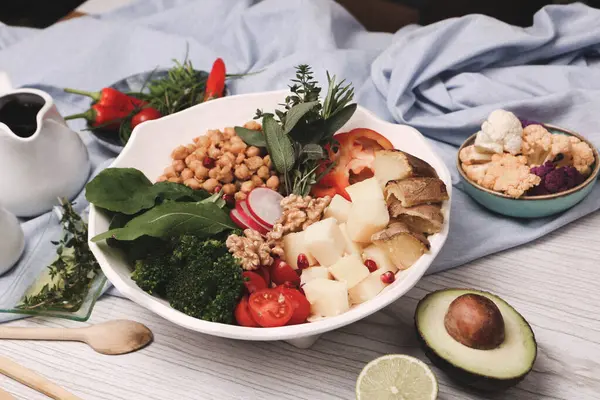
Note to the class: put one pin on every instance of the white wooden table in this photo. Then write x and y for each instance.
(552, 282)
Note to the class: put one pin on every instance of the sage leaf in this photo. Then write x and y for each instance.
(313, 151)
(279, 146)
(296, 113)
(173, 219)
(337, 120)
(250, 137)
(128, 191)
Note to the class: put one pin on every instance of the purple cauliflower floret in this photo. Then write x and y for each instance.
(543, 169)
(527, 122)
(573, 177)
(555, 180)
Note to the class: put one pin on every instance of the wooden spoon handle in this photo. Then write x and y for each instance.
(34, 380)
(4, 395)
(40, 333)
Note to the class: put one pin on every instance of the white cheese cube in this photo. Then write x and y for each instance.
(367, 219)
(339, 208)
(365, 191)
(368, 288)
(311, 273)
(294, 244)
(380, 257)
(349, 269)
(351, 247)
(327, 298)
(325, 241)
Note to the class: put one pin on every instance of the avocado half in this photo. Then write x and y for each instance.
(489, 370)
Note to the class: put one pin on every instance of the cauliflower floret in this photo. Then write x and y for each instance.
(470, 155)
(475, 172)
(509, 174)
(561, 150)
(536, 144)
(501, 132)
(583, 156)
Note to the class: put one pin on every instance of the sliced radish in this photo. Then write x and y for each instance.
(243, 209)
(265, 206)
(244, 221)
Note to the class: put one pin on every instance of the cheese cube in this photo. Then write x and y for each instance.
(365, 191)
(380, 257)
(368, 288)
(350, 270)
(294, 244)
(339, 208)
(367, 219)
(325, 241)
(351, 247)
(311, 273)
(327, 298)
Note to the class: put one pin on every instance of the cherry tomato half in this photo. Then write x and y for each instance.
(253, 281)
(265, 272)
(299, 302)
(282, 272)
(242, 314)
(270, 308)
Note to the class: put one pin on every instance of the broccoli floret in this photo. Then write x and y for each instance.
(154, 272)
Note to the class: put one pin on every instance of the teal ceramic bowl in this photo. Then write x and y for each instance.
(531, 206)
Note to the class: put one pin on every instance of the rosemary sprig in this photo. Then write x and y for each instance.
(73, 271)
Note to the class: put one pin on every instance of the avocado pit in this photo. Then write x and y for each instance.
(475, 321)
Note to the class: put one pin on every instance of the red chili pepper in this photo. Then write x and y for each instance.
(109, 97)
(146, 114)
(101, 116)
(215, 84)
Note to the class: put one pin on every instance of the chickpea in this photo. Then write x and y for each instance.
(247, 186)
(252, 151)
(237, 147)
(236, 139)
(180, 153)
(267, 161)
(255, 126)
(194, 164)
(175, 180)
(213, 152)
(228, 133)
(178, 165)
(256, 180)
(213, 173)
(161, 178)
(229, 188)
(192, 183)
(202, 141)
(170, 172)
(227, 178)
(187, 174)
(254, 163)
(210, 184)
(239, 196)
(215, 136)
(191, 147)
(201, 172)
(242, 172)
(240, 158)
(226, 159)
(189, 159)
(263, 172)
(273, 182)
(200, 153)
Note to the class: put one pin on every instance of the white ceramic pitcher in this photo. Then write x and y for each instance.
(12, 240)
(41, 158)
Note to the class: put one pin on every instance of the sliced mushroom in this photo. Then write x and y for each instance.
(390, 165)
(402, 246)
(414, 191)
(424, 218)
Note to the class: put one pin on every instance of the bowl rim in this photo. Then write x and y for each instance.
(591, 178)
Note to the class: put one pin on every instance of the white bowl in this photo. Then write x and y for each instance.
(149, 151)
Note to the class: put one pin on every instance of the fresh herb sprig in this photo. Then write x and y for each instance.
(72, 273)
(297, 137)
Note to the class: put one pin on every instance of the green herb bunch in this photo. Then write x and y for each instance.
(72, 273)
(297, 136)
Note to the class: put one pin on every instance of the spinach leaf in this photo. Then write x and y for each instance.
(173, 219)
(295, 113)
(250, 137)
(279, 145)
(128, 191)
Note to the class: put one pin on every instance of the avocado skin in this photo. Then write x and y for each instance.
(461, 376)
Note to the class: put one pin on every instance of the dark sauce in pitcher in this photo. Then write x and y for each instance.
(19, 112)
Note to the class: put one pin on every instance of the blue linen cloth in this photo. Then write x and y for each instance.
(443, 79)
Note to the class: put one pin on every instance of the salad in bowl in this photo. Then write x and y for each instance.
(308, 217)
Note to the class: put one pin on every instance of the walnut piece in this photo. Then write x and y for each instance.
(251, 250)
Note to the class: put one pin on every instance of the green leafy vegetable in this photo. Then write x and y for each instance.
(279, 145)
(336, 121)
(250, 137)
(173, 219)
(128, 191)
(295, 113)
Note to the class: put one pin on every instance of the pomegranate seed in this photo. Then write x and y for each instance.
(388, 277)
(217, 189)
(208, 162)
(302, 261)
(229, 199)
(371, 265)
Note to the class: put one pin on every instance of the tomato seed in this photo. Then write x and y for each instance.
(302, 261)
(388, 277)
(371, 265)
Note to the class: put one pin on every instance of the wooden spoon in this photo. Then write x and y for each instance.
(112, 338)
(4, 395)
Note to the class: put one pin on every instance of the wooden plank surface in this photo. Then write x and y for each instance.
(553, 282)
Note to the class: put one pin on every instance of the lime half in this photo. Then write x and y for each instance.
(396, 377)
